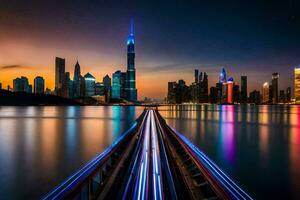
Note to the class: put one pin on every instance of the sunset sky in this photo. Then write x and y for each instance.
(253, 38)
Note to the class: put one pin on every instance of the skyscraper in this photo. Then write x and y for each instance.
(39, 85)
(230, 91)
(196, 75)
(116, 85)
(222, 76)
(288, 94)
(59, 74)
(131, 91)
(297, 84)
(107, 87)
(265, 93)
(76, 81)
(244, 93)
(275, 77)
(89, 85)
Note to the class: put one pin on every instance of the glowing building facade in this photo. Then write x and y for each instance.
(297, 84)
(230, 90)
(130, 89)
(265, 93)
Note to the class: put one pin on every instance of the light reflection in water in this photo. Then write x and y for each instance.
(40, 146)
(258, 146)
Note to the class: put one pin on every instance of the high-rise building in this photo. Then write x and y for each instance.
(213, 95)
(196, 75)
(76, 81)
(275, 77)
(66, 88)
(282, 98)
(297, 84)
(21, 85)
(254, 97)
(131, 91)
(59, 74)
(99, 89)
(236, 96)
(230, 91)
(89, 85)
(288, 94)
(107, 87)
(171, 98)
(222, 76)
(244, 93)
(0, 86)
(39, 85)
(116, 85)
(265, 93)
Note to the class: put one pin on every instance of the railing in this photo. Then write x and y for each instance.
(89, 177)
(229, 186)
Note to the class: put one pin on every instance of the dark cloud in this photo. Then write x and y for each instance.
(11, 67)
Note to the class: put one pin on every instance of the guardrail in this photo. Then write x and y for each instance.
(89, 176)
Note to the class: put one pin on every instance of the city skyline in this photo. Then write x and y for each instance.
(169, 45)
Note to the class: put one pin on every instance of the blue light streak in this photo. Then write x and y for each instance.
(226, 182)
(85, 171)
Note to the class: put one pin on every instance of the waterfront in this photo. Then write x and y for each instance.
(258, 146)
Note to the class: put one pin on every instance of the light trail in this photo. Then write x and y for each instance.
(156, 164)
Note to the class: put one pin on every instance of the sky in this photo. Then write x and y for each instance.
(253, 38)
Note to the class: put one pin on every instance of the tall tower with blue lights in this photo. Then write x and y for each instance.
(130, 89)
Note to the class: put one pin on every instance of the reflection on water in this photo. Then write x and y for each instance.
(259, 146)
(40, 146)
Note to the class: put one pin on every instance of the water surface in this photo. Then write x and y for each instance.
(258, 146)
(41, 146)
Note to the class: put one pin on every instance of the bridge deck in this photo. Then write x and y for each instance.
(149, 161)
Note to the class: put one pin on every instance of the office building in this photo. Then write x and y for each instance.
(244, 93)
(288, 94)
(297, 84)
(230, 91)
(76, 80)
(254, 97)
(266, 93)
(107, 87)
(89, 85)
(116, 85)
(196, 75)
(282, 98)
(39, 85)
(21, 85)
(275, 77)
(59, 74)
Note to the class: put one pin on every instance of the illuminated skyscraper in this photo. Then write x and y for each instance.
(297, 84)
(39, 85)
(222, 76)
(116, 85)
(230, 90)
(265, 93)
(275, 77)
(130, 89)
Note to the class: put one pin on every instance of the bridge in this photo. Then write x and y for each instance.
(151, 160)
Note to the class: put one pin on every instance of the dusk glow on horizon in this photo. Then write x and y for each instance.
(254, 39)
